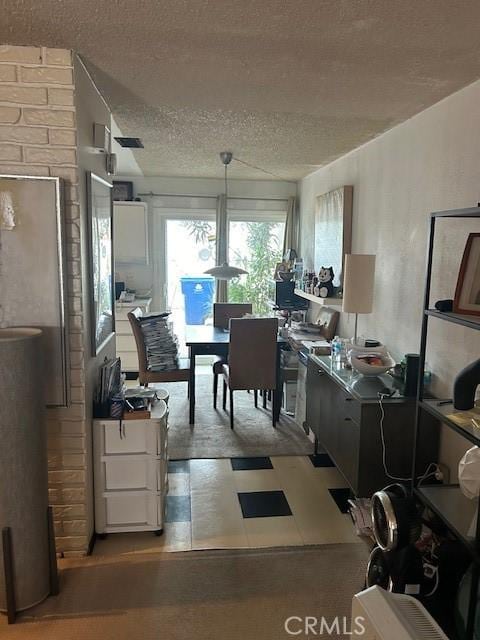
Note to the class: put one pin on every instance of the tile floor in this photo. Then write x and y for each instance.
(247, 502)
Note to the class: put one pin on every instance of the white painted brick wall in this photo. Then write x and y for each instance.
(9, 115)
(63, 97)
(38, 137)
(49, 155)
(18, 94)
(49, 117)
(20, 55)
(28, 135)
(10, 152)
(8, 73)
(63, 137)
(46, 75)
(54, 57)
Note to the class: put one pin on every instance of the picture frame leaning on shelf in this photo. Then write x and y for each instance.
(467, 292)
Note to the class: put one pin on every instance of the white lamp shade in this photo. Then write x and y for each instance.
(225, 272)
(358, 283)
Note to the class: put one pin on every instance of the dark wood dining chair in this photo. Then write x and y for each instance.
(223, 312)
(252, 358)
(146, 375)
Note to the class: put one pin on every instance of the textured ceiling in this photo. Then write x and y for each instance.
(286, 85)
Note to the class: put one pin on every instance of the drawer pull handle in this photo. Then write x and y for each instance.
(348, 399)
(348, 419)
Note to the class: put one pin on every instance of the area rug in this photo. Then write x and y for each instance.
(211, 436)
(207, 595)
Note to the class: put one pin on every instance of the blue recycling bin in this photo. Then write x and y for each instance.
(198, 292)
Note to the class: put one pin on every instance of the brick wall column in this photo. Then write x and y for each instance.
(38, 137)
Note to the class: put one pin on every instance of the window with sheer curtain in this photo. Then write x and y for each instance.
(256, 231)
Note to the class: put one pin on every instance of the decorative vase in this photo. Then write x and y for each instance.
(465, 386)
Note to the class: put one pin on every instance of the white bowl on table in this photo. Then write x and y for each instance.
(357, 357)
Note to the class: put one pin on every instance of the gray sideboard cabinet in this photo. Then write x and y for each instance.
(344, 413)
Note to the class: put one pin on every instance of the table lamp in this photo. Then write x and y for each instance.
(358, 284)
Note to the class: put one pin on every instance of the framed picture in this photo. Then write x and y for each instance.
(467, 293)
(122, 191)
(100, 209)
(333, 231)
(33, 289)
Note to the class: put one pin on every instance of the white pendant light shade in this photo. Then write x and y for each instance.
(225, 272)
(358, 283)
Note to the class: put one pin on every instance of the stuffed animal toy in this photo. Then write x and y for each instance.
(325, 282)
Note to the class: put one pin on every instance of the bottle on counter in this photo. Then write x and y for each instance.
(335, 348)
(305, 280)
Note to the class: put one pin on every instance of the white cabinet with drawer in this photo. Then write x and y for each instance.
(125, 341)
(130, 232)
(131, 472)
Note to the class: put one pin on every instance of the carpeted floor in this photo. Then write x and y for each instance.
(211, 436)
(218, 595)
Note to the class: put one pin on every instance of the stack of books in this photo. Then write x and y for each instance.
(160, 342)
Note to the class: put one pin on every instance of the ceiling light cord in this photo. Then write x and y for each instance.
(226, 158)
(268, 173)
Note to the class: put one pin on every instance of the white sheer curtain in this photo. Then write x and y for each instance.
(221, 245)
(290, 238)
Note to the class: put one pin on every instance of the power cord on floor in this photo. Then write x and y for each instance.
(422, 478)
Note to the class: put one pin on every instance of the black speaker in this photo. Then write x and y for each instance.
(284, 296)
(412, 364)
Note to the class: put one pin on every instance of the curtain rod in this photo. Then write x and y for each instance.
(189, 195)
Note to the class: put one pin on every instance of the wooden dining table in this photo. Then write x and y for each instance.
(209, 340)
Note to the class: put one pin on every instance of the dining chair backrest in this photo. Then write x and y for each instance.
(146, 375)
(223, 312)
(252, 356)
(134, 319)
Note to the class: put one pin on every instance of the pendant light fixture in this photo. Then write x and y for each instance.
(224, 271)
(226, 157)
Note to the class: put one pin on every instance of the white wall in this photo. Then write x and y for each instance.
(90, 108)
(211, 186)
(426, 164)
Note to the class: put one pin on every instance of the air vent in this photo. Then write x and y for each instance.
(129, 143)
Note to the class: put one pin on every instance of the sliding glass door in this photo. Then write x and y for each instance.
(255, 244)
(184, 247)
(190, 250)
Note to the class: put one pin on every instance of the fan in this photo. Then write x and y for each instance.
(396, 522)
